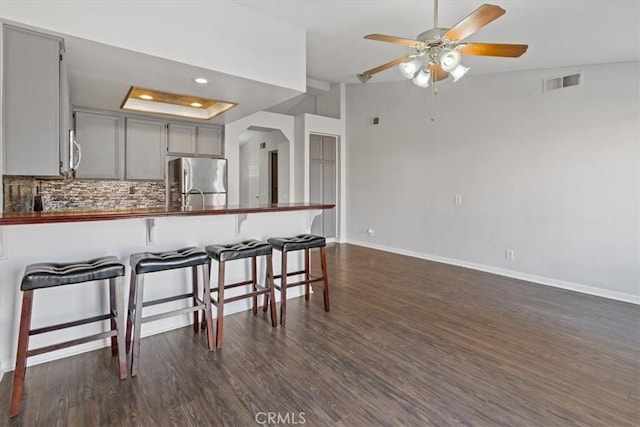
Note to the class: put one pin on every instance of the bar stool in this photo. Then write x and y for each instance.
(49, 275)
(151, 262)
(231, 252)
(298, 243)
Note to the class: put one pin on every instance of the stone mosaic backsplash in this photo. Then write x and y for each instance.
(61, 194)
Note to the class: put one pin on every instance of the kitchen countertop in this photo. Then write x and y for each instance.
(47, 217)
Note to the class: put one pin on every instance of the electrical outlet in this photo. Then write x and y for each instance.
(370, 231)
(457, 199)
(510, 254)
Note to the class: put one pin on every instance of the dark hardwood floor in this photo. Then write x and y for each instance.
(408, 343)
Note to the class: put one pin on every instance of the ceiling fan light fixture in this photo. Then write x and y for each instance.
(363, 77)
(422, 78)
(410, 68)
(458, 72)
(450, 59)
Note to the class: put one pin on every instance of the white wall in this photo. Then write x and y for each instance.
(218, 35)
(553, 176)
(232, 138)
(254, 167)
(328, 103)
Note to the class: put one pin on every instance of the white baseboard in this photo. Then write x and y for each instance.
(618, 296)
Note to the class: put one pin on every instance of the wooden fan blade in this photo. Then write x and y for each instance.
(437, 73)
(387, 65)
(476, 20)
(394, 39)
(493, 49)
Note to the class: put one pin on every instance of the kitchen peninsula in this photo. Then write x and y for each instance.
(71, 235)
(46, 217)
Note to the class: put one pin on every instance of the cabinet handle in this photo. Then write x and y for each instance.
(74, 147)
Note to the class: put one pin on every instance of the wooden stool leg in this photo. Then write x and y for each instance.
(325, 291)
(254, 278)
(268, 295)
(194, 284)
(307, 267)
(137, 325)
(272, 292)
(283, 289)
(21, 357)
(220, 311)
(132, 301)
(206, 297)
(118, 292)
(113, 312)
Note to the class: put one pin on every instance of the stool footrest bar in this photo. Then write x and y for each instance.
(172, 313)
(70, 324)
(294, 273)
(167, 299)
(102, 335)
(304, 282)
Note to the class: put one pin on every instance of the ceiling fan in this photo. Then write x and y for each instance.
(439, 50)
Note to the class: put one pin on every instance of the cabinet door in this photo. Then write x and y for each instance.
(31, 110)
(145, 149)
(315, 147)
(209, 142)
(182, 139)
(328, 148)
(322, 182)
(315, 194)
(101, 139)
(329, 196)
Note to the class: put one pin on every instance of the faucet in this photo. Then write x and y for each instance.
(194, 189)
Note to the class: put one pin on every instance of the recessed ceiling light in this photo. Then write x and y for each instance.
(201, 80)
(153, 101)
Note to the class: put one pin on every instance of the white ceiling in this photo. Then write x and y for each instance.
(100, 76)
(559, 33)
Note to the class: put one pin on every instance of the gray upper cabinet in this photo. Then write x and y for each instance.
(210, 142)
(101, 140)
(195, 140)
(31, 113)
(145, 149)
(182, 139)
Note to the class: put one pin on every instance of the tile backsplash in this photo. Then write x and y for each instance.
(61, 194)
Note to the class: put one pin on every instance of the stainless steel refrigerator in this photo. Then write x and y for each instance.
(197, 182)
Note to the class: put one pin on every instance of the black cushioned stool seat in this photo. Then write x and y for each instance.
(300, 242)
(246, 249)
(143, 263)
(49, 275)
(236, 251)
(149, 262)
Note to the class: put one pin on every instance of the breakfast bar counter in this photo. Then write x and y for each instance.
(46, 217)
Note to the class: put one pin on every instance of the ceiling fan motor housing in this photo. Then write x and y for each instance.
(433, 37)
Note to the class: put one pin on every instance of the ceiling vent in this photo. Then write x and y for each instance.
(561, 82)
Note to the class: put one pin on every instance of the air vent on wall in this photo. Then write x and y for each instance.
(561, 82)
